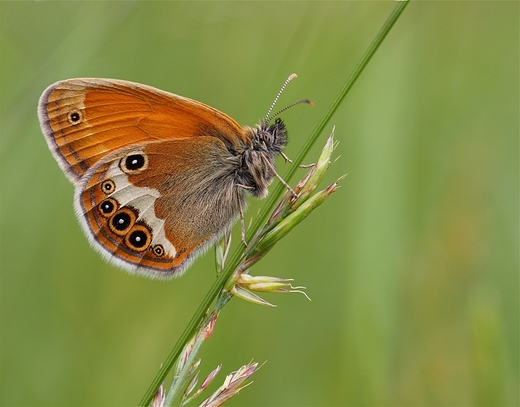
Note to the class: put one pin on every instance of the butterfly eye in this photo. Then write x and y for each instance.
(158, 250)
(74, 117)
(108, 186)
(121, 222)
(133, 163)
(139, 238)
(108, 207)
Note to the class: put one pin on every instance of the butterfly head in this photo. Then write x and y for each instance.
(270, 138)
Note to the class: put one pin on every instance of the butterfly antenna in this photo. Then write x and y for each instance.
(290, 78)
(291, 105)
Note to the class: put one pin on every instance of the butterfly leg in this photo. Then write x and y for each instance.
(287, 159)
(285, 184)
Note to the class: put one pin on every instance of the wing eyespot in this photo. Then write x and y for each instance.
(74, 117)
(122, 221)
(134, 163)
(139, 238)
(108, 186)
(158, 250)
(108, 207)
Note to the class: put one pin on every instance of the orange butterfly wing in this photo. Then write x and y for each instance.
(84, 120)
(90, 126)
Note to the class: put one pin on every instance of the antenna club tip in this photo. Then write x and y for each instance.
(292, 76)
(310, 102)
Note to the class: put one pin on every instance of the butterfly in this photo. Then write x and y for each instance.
(158, 177)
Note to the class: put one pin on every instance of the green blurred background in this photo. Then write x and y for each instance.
(412, 266)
